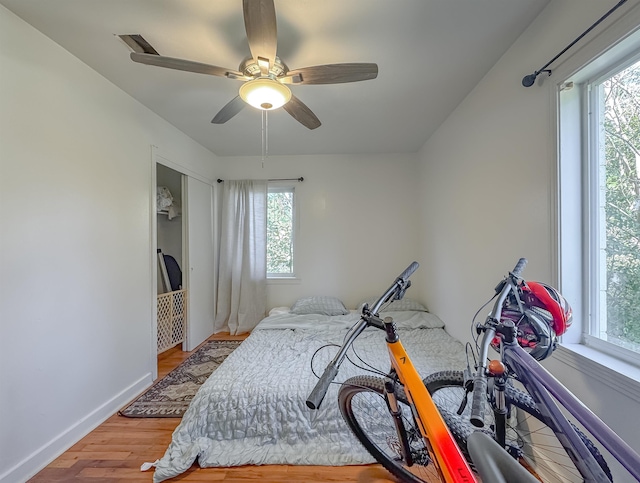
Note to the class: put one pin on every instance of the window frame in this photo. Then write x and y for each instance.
(576, 141)
(287, 187)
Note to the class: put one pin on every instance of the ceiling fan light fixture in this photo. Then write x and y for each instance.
(265, 93)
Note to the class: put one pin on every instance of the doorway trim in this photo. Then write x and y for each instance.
(159, 156)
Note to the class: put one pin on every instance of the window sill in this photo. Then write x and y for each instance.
(283, 281)
(615, 373)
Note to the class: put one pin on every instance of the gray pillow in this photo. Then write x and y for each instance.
(406, 304)
(322, 305)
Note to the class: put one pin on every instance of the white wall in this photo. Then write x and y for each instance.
(487, 192)
(75, 245)
(75, 235)
(357, 222)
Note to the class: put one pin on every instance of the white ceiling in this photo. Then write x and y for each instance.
(430, 54)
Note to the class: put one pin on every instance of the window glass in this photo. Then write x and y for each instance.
(615, 164)
(280, 232)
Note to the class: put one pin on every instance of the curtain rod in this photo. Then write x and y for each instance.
(301, 179)
(529, 80)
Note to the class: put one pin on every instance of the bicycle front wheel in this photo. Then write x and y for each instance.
(364, 408)
(528, 438)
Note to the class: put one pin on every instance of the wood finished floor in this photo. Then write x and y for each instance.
(114, 451)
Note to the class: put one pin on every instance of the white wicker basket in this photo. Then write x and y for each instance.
(172, 319)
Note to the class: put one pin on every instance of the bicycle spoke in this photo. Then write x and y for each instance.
(535, 443)
(364, 408)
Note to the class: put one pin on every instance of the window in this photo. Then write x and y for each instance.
(280, 232)
(599, 195)
(614, 189)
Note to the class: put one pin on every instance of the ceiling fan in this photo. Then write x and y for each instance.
(266, 77)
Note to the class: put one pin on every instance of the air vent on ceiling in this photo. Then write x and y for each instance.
(137, 43)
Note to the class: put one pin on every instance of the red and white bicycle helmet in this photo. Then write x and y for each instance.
(549, 303)
(546, 314)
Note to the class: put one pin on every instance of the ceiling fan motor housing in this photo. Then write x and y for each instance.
(250, 68)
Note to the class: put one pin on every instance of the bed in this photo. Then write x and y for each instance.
(252, 410)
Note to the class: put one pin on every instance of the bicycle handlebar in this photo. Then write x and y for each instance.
(480, 379)
(404, 276)
(398, 287)
(320, 389)
(479, 397)
(519, 267)
(322, 386)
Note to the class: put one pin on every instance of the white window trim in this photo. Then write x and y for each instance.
(611, 371)
(284, 280)
(577, 349)
(613, 350)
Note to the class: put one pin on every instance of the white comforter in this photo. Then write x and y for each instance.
(252, 409)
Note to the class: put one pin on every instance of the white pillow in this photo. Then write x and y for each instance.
(278, 311)
(416, 320)
(322, 305)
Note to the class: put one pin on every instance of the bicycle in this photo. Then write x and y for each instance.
(523, 329)
(396, 419)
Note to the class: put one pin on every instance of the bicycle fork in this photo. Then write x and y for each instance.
(396, 412)
(500, 410)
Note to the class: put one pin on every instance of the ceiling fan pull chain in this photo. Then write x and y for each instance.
(265, 142)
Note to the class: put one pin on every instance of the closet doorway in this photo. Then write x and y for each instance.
(172, 294)
(188, 238)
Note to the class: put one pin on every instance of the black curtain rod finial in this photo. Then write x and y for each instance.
(529, 80)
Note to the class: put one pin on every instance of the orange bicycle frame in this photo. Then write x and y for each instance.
(450, 461)
(447, 457)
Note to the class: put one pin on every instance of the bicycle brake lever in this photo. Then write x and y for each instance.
(468, 378)
(516, 294)
(400, 293)
(463, 404)
(468, 386)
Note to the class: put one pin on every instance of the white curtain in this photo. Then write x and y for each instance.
(242, 275)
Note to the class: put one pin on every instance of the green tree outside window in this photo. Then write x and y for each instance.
(622, 206)
(280, 232)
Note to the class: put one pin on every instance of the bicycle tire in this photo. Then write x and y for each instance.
(546, 458)
(363, 407)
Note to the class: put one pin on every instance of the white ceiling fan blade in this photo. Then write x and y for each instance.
(301, 113)
(232, 108)
(262, 31)
(185, 65)
(331, 74)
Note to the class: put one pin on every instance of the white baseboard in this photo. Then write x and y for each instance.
(44, 455)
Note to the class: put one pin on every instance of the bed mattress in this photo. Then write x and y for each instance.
(252, 410)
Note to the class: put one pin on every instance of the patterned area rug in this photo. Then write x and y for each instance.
(171, 395)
